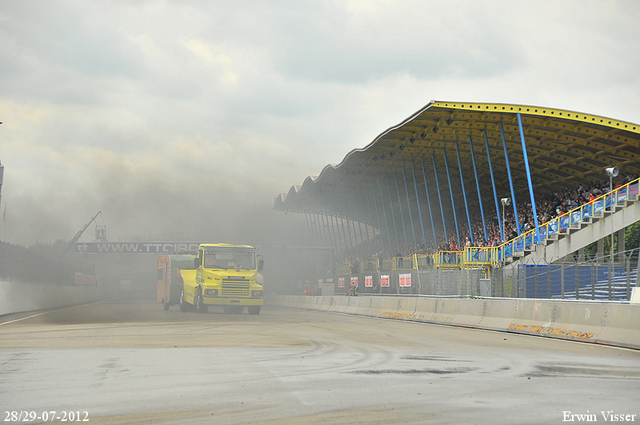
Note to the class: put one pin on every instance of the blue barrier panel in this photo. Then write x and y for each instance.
(553, 227)
(575, 217)
(543, 232)
(508, 249)
(607, 201)
(622, 195)
(519, 244)
(528, 240)
(587, 211)
(634, 188)
(564, 222)
(598, 206)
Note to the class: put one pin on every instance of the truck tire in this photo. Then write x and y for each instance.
(254, 309)
(199, 303)
(183, 304)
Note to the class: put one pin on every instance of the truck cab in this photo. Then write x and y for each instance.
(225, 275)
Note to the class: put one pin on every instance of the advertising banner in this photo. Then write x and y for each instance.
(384, 281)
(136, 247)
(368, 281)
(341, 282)
(405, 280)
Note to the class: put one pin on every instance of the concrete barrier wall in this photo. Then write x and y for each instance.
(610, 323)
(18, 297)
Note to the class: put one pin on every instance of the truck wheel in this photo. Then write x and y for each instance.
(254, 309)
(199, 303)
(183, 304)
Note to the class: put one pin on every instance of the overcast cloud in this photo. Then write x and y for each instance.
(184, 119)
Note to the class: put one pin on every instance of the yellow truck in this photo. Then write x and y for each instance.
(224, 275)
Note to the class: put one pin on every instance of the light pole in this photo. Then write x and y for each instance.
(611, 172)
(505, 203)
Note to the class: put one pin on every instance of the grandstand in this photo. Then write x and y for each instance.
(476, 186)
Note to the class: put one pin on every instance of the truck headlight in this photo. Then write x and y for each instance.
(256, 294)
(210, 292)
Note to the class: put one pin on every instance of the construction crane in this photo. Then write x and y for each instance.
(77, 236)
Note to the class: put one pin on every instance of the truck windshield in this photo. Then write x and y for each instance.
(230, 259)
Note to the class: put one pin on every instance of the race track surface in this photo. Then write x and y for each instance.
(130, 362)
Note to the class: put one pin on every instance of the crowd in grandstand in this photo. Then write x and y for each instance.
(548, 207)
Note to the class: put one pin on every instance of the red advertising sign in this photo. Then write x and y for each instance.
(405, 280)
(341, 282)
(384, 280)
(368, 281)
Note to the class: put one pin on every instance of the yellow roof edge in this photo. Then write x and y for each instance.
(537, 110)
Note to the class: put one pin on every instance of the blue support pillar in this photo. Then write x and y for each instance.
(320, 235)
(406, 189)
(453, 204)
(415, 186)
(345, 229)
(336, 232)
(327, 230)
(513, 195)
(493, 184)
(355, 210)
(464, 194)
(311, 235)
(475, 173)
(384, 212)
(393, 216)
(536, 238)
(373, 228)
(444, 225)
(351, 214)
(404, 228)
(426, 189)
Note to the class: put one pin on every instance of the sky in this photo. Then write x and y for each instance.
(183, 120)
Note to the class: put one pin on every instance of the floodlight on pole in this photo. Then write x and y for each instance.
(611, 172)
(505, 203)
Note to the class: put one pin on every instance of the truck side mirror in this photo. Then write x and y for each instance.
(197, 262)
(260, 265)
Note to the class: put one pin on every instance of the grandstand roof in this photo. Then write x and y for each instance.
(564, 148)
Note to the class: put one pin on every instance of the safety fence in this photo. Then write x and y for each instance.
(599, 279)
(447, 282)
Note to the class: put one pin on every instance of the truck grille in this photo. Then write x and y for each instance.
(232, 288)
